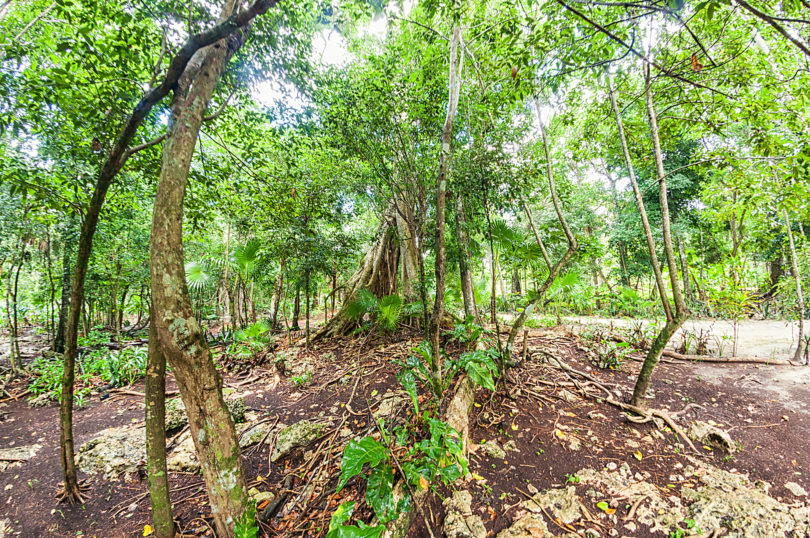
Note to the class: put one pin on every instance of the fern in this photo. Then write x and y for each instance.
(389, 312)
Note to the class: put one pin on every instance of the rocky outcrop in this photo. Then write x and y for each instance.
(298, 435)
(460, 522)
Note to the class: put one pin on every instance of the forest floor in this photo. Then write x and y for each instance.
(549, 457)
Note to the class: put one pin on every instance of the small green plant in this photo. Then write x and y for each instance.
(246, 524)
(303, 379)
(338, 529)
(572, 479)
(691, 528)
(468, 332)
(384, 313)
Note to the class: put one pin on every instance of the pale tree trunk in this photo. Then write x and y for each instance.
(226, 313)
(645, 222)
(797, 278)
(464, 258)
(676, 321)
(555, 270)
(158, 478)
(179, 334)
(454, 83)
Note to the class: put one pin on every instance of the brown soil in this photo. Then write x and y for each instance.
(771, 434)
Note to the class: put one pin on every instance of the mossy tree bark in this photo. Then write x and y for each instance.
(155, 389)
(179, 334)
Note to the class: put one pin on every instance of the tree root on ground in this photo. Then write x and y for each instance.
(633, 413)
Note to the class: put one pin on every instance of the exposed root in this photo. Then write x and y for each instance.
(72, 497)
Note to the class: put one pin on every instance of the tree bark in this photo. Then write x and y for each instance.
(454, 83)
(179, 334)
(674, 322)
(464, 257)
(797, 278)
(296, 307)
(158, 478)
(408, 254)
(554, 270)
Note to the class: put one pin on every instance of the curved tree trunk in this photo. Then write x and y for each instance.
(797, 278)
(179, 334)
(554, 270)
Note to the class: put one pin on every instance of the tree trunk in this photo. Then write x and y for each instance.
(464, 258)
(155, 389)
(179, 334)
(454, 83)
(279, 290)
(116, 159)
(554, 270)
(306, 307)
(64, 307)
(296, 307)
(377, 273)
(797, 278)
(674, 322)
(687, 287)
(656, 267)
(408, 253)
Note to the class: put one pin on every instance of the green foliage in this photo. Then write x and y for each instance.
(337, 529)
(246, 526)
(384, 313)
(101, 367)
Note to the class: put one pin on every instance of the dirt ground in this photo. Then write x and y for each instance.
(554, 429)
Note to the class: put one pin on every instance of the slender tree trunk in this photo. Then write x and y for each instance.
(12, 339)
(659, 278)
(554, 270)
(51, 289)
(226, 313)
(155, 389)
(64, 307)
(15, 329)
(687, 287)
(464, 257)
(306, 297)
(675, 322)
(116, 159)
(797, 278)
(279, 291)
(454, 83)
(296, 307)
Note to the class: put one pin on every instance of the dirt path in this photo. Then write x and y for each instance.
(767, 339)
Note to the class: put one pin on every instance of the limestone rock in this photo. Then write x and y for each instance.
(493, 449)
(527, 526)
(298, 435)
(114, 451)
(261, 496)
(561, 503)
(17, 452)
(176, 412)
(708, 434)
(796, 489)
(460, 522)
(42, 400)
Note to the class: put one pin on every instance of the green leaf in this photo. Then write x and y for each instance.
(380, 493)
(341, 516)
(357, 454)
(408, 380)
